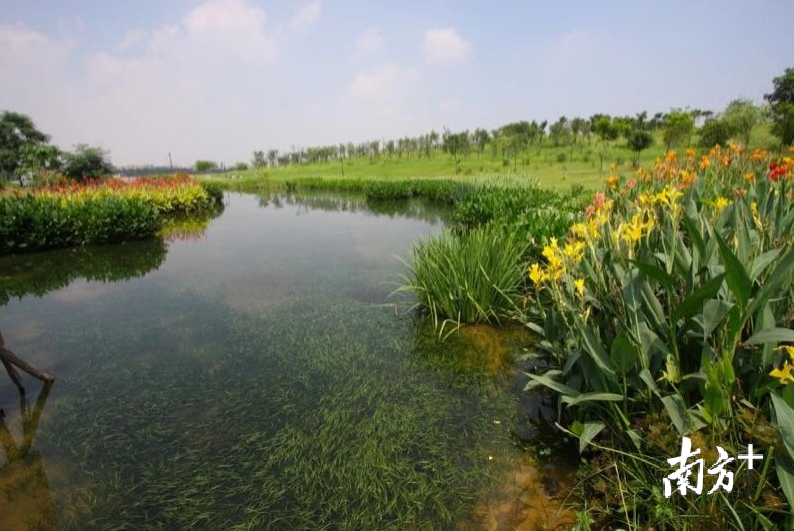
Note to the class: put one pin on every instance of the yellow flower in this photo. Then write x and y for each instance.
(668, 196)
(573, 252)
(749, 177)
(720, 204)
(612, 181)
(784, 374)
(579, 285)
(536, 274)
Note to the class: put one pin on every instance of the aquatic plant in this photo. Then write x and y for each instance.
(467, 278)
(668, 312)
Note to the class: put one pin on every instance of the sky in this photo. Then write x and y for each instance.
(218, 79)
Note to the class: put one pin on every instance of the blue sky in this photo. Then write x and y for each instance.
(220, 78)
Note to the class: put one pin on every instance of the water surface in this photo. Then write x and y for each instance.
(253, 375)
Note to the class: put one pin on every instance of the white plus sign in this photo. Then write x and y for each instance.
(750, 457)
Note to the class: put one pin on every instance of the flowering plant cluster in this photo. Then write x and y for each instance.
(673, 300)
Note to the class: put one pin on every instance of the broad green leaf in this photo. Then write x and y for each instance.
(713, 312)
(735, 274)
(655, 273)
(785, 476)
(675, 408)
(781, 273)
(761, 262)
(553, 384)
(588, 431)
(622, 353)
(597, 351)
(771, 335)
(694, 301)
(785, 422)
(592, 397)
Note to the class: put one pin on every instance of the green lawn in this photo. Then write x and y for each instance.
(546, 166)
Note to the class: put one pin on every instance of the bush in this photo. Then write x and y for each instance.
(468, 278)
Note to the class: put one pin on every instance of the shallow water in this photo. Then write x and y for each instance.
(251, 373)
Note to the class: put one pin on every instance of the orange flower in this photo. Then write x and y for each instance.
(749, 177)
(670, 156)
(705, 162)
(690, 153)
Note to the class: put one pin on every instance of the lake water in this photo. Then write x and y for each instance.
(250, 373)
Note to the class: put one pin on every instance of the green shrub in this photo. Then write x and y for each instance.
(29, 223)
(470, 277)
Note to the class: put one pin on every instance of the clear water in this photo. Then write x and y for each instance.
(253, 375)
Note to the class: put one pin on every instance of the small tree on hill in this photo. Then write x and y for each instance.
(677, 128)
(740, 117)
(639, 139)
(714, 131)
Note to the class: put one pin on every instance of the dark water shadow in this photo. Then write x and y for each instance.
(40, 273)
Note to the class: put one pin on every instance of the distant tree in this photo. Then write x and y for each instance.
(604, 128)
(639, 139)
(272, 157)
(38, 158)
(87, 162)
(16, 130)
(480, 138)
(454, 144)
(204, 166)
(677, 128)
(740, 117)
(781, 103)
(560, 132)
(241, 166)
(715, 131)
(259, 159)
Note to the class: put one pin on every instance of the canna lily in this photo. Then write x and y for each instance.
(579, 285)
(720, 204)
(784, 374)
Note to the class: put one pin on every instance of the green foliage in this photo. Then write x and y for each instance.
(441, 191)
(741, 116)
(205, 166)
(241, 166)
(259, 160)
(781, 102)
(468, 278)
(29, 223)
(639, 140)
(16, 132)
(677, 128)
(214, 192)
(87, 163)
(681, 303)
(714, 132)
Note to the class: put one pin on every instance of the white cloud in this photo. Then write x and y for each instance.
(444, 45)
(382, 82)
(131, 39)
(369, 42)
(307, 16)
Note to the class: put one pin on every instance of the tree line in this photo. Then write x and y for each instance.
(510, 141)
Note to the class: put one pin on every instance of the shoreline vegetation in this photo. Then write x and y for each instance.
(68, 214)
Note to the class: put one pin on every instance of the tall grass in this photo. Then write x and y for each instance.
(468, 278)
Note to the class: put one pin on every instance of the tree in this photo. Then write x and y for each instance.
(604, 128)
(241, 166)
(677, 128)
(480, 137)
(272, 157)
(714, 131)
(87, 162)
(36, 159)
(16, 130)
(781, 103)
(454, 144)
(740, 117)
(638, 140)
(204, 166)
(259, 159)
(560, 132)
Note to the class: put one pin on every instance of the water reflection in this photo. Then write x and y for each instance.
(327, 202)
(40, 273)
(27, 501)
